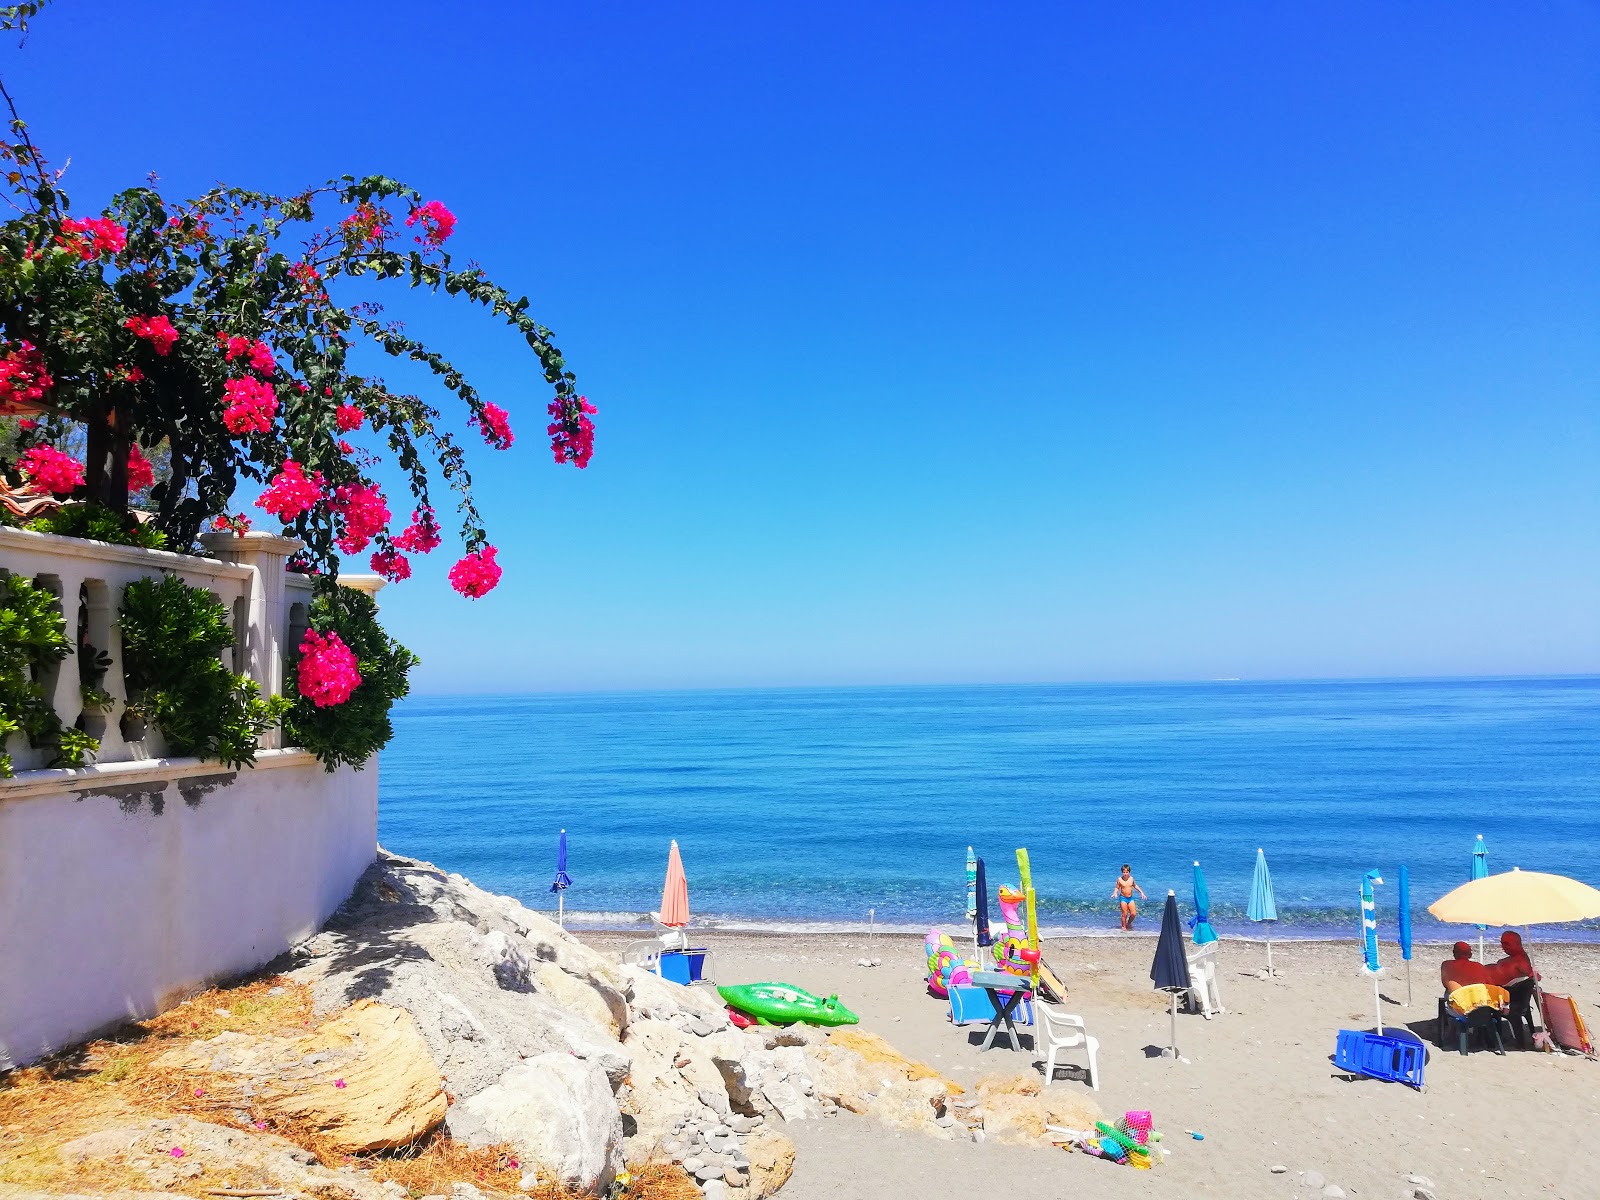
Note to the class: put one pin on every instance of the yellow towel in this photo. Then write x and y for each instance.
(1479, 995)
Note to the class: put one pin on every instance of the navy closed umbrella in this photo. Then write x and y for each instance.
(1170, 970)
(982, 909)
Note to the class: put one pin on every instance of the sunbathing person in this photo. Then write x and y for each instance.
(1515, 973)
(1461, 969)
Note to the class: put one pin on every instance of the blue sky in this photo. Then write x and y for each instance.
(940, 344)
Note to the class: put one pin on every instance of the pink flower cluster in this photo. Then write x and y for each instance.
(572, 432)
(495, 425)
(422, 535)
(367, 226)
(348, 417)
(90, 237)
(364, 512)
(391, 564)
(250, 406)
(291, 492)
(327, 673)
(438, 222)
(476, 574)
(23, 379)
(140, 473)
(56, 471)
(158, 331)
(238, 524)
(307, 276)
(257, 354)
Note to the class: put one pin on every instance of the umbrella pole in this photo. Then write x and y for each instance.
(1377, 1004)
(561, 909)
(1174, 1025)
(1269, 956)
(1408, 983)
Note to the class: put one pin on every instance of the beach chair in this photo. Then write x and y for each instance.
(1565, 1023)
(1204, 998)
(1478, 1008)
(1066, 1031)
(1392, 1059)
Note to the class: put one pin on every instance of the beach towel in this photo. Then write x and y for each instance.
(1479, 995)
(1566, 1024)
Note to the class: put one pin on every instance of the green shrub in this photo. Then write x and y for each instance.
(101, 524)
(354, 731)
(32, 636)
(172, 635)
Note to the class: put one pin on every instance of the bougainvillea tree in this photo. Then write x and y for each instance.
(215, 330)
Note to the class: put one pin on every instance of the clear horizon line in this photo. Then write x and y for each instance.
(1065, 683)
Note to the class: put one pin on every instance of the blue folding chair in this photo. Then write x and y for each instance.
(1392, 1059)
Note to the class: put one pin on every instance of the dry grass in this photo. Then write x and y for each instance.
(116, 1082)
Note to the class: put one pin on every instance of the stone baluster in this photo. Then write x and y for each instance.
(263, 639)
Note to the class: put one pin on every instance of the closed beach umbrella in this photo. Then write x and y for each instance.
(1262, 906)
(1480, 870)
(1404, 919)
(1201, 923)
(1369, 937)
(1170, 970)
(980, 879)
(675, 893)
(562, 881)
(972, 892)
(1517, 897)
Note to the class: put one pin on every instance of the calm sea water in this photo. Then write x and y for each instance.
(801, 806)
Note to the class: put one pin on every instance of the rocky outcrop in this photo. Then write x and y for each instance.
(364, 1079)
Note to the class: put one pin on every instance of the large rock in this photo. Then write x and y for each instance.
(488, 981)
(364, 1079)
(771, 1156)
(558, 1111)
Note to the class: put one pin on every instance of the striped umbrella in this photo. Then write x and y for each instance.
(1480, 870)
(1201, 921)
(1369, 937)
(1262, 906)
(563, 880)
(1404, 918)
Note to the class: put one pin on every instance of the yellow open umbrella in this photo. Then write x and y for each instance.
(1518, 898)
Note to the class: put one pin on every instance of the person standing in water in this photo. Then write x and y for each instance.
(1122, 891)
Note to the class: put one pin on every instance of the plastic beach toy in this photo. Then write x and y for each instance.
(786, 1004)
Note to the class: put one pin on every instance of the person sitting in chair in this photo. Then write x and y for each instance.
(1515, 973)
(1461, 969)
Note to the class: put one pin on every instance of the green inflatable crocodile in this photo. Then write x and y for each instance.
(785, 1004)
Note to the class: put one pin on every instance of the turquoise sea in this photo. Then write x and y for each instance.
(805, 806)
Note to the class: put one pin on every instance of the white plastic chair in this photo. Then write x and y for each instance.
(1065, 1031)
(1204, 997)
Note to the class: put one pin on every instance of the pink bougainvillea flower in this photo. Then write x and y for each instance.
(158, 331)
(140, 473)
(477, 573)
(199, 1091)
(362, 508)
(422, 535)
(261, 1124)
(91, 237)
(130, 374)
(348, 417)
(291, 492)
(233, 346)
(307, 276)
(23, 379)
(261, 360)
(238, 524)
(368, 225)
(250, 406)
(437, 221)
(176, 1152)
(327, 673)
(571, 432)
(56, 471)
(495, 425)
(338, 1083)
(345, 447)
(391, 564)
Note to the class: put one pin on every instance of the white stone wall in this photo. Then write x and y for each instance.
(134, 881)
(119, 899)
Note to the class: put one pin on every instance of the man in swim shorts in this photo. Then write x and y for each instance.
(1122, 891)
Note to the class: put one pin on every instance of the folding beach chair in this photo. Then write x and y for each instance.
(1565, 1023)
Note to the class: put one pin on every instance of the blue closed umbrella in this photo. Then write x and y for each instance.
(1262, 906)
(1404, 918)
(1480, 870)
(1170, 970)
(972, 892)
(563, 881)
(1369, 936)
(1201, 921)
(982, 908)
